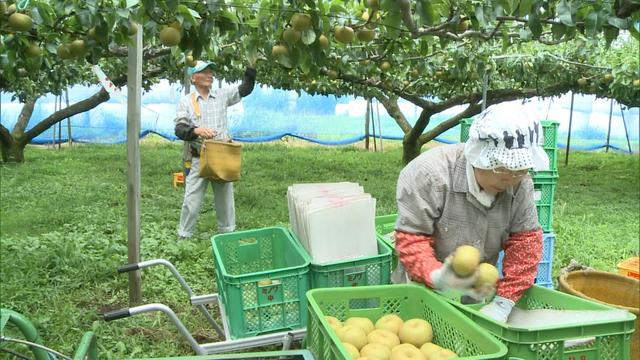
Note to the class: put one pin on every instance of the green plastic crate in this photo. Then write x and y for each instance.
(385, 229)
(544, 193)
(612, 338)
(370, 270)
(245, 258)
(465, 125)
(550, 131)
(450, 327)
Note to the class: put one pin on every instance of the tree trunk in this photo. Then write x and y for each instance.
(13, 143)
(12, 152)
(410, 149)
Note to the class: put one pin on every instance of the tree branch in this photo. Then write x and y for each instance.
(523, 20)
(421, 124)
(471, 110)
(499, 95)
(407, 19)
(23, 118)
(418, 101)
(391, 105)
(79, 107)
(148, 54)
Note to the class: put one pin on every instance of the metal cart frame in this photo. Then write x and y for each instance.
(286, 338)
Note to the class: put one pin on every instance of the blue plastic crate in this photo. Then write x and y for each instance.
(543, 278)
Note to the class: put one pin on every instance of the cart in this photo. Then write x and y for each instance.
(87, 350)
(286, 338)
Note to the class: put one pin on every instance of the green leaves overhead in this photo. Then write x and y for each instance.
(453, 39)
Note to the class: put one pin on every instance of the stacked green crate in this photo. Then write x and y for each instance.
(544, 182)
(262, 277)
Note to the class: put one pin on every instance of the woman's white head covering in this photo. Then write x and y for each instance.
(506, 138)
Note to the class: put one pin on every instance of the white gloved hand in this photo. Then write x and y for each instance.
(498, 309)
(444, 278)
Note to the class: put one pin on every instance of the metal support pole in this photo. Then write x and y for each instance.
(566, 157)
(66, 96)
(609, 129)
(366, 124)
(53, 138)
(134, 94)
(375, 148)
(379, 124)
(60, 123)
(485, 81)
(626, 132)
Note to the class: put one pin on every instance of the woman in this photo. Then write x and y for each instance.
(480, 194)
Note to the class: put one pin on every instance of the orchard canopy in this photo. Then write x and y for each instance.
(435, 54)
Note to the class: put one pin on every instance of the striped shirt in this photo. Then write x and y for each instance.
(213, 111)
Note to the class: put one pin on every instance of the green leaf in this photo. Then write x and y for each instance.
(525, 34)
(52, 47)
(46, 12)
(564, 13)
(308, 37)
(132, 3)
(254, 23)
(425, 11)
(535, 25)
(188, 13)
(172, 5)
(305, 64)
(123, 13)
(206, 28)
(506, 41)
(591, 24)
(393, 23)
(231, 16)
(558, 31)
(285, 61)
(525, 7)
(507, 6)
(622, 24)
(338, 8)
(443, 42)
(462, 62)
(480, 16)
(610, 34)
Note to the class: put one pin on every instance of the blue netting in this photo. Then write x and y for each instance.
(268, 115)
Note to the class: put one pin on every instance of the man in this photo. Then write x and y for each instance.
(201, 115)
(480, 194)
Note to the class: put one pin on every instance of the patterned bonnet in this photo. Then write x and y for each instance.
(502, 137)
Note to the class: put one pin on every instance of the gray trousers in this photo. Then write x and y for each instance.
(195, 189)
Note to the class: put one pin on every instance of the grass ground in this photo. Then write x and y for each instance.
(63, 229)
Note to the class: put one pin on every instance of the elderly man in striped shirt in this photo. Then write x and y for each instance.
(201, 115)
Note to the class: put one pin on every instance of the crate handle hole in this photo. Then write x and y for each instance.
(364, 303)
(247, 241)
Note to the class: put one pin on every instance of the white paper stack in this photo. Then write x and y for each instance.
(333, 221)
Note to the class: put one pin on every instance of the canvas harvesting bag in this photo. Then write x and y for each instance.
(219, 160)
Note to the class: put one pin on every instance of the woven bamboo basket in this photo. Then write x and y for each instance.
(608, 288)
